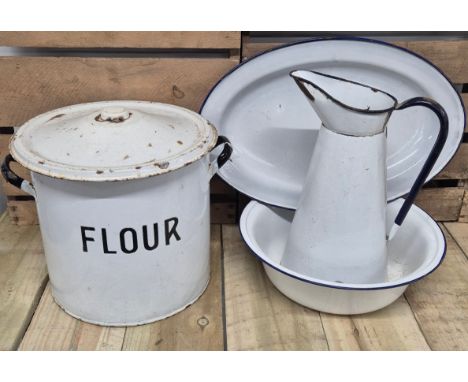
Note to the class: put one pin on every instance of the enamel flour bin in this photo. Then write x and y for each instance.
(122, 192)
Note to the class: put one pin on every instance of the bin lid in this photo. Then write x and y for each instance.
(113, 140)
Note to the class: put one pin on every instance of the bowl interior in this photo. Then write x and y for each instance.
(416, 250)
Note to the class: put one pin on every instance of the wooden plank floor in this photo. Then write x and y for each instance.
(240, 310)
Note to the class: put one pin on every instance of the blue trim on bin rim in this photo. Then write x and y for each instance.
(340, 38)
(351, 288)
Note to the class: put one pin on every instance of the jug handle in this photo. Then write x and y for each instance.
(223, 157)
(15, 179)
(431, 159)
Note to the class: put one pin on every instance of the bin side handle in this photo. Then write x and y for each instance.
(15, 179)
(223, 157)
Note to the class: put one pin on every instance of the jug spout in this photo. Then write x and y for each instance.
(344, 106)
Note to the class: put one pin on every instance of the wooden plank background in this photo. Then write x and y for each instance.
(33, 85)
(457, 168)
(451, 56)
(23, 276)
(158, 40)
(431, 315)
(443, 204)
(241, 309)
(50, 82)
(172, 67)
(440, 302)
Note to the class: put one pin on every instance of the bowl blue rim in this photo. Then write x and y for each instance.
(262, 259)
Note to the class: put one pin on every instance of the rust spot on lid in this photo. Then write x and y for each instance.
(162, 165)
(99, 172)
(119, 119)
(41, 162)
(137, 167)
(56, 116)
(150, 145)
(126, 157)
(180, 142)
(172, 127)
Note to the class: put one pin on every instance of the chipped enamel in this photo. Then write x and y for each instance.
(115, 140)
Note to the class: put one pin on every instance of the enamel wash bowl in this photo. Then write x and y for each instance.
(416, 251)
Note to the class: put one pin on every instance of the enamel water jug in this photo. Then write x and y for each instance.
(339, 230)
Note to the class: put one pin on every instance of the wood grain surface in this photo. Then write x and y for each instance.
(240, 310)
(159, 40)
(451, 56)
(440, 301)
(23, 277)
(33, 85)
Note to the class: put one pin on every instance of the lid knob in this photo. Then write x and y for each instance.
(113, 114)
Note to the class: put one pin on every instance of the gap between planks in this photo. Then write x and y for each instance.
(119, 40)
(23, 276)
(440, 301)
(258, 317)
(199, 327)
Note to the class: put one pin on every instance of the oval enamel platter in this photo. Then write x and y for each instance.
(273, 128)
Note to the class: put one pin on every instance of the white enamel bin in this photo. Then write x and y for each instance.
(122, 192)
